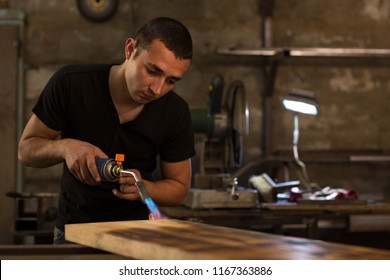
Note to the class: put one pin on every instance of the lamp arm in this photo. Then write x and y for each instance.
(296, 130)
(295, 150)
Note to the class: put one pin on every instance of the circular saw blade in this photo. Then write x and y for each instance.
(238, 115)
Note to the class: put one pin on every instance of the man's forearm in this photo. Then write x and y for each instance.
(167, 192)
(40, 152)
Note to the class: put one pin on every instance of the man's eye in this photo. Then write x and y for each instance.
(171, 81)
(152, 72)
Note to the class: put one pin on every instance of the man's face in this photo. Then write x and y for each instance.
(153, 72)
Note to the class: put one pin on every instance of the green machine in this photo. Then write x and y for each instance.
(221, 127)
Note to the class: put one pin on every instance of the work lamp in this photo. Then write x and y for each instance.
(304, 102)
(300, 101)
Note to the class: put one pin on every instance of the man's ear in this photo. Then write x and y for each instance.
(130, 47)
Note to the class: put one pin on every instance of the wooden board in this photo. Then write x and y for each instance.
(174, 239)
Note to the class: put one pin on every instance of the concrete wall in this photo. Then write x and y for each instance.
(354, 98)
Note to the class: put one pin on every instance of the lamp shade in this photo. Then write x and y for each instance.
(300, 101)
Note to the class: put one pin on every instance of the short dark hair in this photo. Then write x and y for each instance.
(174, 35)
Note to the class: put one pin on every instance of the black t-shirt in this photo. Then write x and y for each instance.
(77, 102)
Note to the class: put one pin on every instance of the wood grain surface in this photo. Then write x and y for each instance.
(174, 239)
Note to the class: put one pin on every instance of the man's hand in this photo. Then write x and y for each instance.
(127, 189)
(80, 159)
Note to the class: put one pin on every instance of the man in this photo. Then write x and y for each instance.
(102, 110)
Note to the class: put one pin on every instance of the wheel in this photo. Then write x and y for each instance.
(238, 114)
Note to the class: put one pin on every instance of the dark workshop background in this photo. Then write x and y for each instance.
(354, 96)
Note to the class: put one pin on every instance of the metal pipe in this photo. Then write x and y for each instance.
(16, 17)
(266, 13)
(131, 173)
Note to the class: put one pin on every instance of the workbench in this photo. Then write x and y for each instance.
(182, 240)
(276, 216)
(54, 252)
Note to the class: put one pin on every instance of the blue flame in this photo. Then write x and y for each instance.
(153, 208)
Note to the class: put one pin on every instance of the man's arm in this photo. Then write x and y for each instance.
(173, 189)
(39, 147)
(169, 191)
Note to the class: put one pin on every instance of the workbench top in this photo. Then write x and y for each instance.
(330, 206)
(54, 252)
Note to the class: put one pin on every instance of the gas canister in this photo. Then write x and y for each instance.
(110, 169)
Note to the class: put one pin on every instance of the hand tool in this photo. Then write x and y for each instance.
(110, 170)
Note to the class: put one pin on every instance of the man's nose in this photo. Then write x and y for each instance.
(157, 86)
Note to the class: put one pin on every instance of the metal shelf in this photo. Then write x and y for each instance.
(308, 52)
(289, 55)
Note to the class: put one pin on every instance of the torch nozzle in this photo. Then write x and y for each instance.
(131, 173)
(143, 192)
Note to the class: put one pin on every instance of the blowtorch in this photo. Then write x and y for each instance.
(111, 169)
